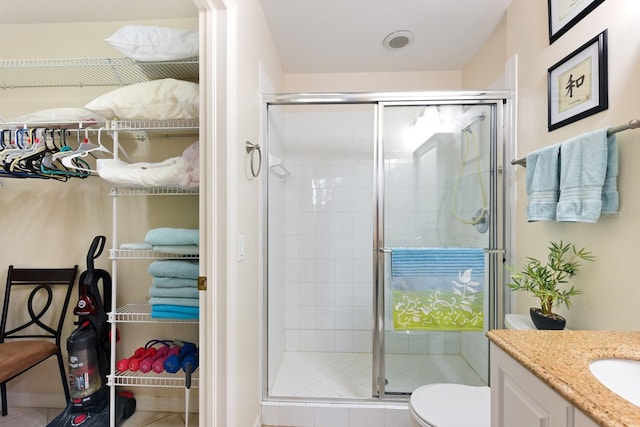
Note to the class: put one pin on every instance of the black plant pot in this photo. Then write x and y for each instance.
(547, 322)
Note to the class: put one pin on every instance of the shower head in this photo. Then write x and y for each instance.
(480, 117)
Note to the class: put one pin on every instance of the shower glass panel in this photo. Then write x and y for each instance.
(319, 246)
(435, 227)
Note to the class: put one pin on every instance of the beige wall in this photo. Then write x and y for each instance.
(486, 68)
(373, 82)
(611, 291)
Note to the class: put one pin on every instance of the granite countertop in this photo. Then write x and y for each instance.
(561, 360)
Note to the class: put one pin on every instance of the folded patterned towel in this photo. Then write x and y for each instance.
(172, 236)
(186, 269)
(188, 292)
(189, 302)
(174, 282)
(177, 249)
(165, 311)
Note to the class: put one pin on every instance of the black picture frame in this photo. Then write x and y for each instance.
(564, 14)
(577, 86)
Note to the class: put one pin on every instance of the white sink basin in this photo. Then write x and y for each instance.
(621, 376)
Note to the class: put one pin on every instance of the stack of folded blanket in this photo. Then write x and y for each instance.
(182, 241)
(174, 289)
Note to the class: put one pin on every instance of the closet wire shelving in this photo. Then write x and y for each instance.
(140, 312)
(118, 72)
(81, 72)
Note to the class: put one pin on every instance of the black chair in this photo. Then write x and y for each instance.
(35, 306)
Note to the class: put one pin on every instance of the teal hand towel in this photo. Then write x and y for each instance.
(189, 302)
(173, 282)
(172, 236)
(543, 183)
(177, 249)
(610, 197)
(184, 269)
(583, 167)
(183, 292)
(166, 311)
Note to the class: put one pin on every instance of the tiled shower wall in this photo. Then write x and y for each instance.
(328, 232)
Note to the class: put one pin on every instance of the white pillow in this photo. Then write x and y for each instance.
(149, 43)
(60, 115)
(163, 99)
(167, 173)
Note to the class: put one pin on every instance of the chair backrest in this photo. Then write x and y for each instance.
(43, 289)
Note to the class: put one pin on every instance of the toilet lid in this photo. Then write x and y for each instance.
(452, 405)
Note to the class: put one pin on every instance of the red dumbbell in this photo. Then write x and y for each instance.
(134, 362)
(123, 364)
(158, 364)
(147, 364)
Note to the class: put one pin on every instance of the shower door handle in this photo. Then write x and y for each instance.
(384, 250)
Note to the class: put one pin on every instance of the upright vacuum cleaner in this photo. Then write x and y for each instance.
(89, 354)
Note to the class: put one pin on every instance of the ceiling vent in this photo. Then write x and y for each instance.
(398, 39)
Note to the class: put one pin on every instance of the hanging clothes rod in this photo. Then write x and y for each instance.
(632, 124)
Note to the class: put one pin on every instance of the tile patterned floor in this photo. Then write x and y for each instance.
(38, 417)
(348, 375)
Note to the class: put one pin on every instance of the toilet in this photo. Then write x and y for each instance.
(457, 405)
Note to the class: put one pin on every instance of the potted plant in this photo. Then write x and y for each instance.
(544, 282)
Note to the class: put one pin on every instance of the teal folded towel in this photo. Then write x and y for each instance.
(173, 282)
(185, 269)
(167, 311)
(543, 183)
(177, 249)
(610, 197)
(189, 302)
(186, 292)
(583, 168)
(172, 236)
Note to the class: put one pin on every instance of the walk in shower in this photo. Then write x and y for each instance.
(384, 240)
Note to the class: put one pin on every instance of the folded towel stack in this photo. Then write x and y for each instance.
(174, 289)
(181, 241)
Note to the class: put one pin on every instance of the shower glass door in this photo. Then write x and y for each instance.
(320, 250)
(436, 225)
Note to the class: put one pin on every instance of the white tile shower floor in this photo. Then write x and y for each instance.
(348, 375)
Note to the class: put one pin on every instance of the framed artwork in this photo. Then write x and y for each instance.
(577, 85)
(564, 14)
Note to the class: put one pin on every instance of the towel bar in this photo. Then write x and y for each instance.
(632, 124)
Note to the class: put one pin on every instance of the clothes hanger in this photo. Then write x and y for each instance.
(85, 148)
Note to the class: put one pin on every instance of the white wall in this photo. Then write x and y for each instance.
(251, 53)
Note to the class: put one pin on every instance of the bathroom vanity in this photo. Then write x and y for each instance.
(543, 378)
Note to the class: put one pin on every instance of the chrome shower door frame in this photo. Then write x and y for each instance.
(501, 194)
(499, 219)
